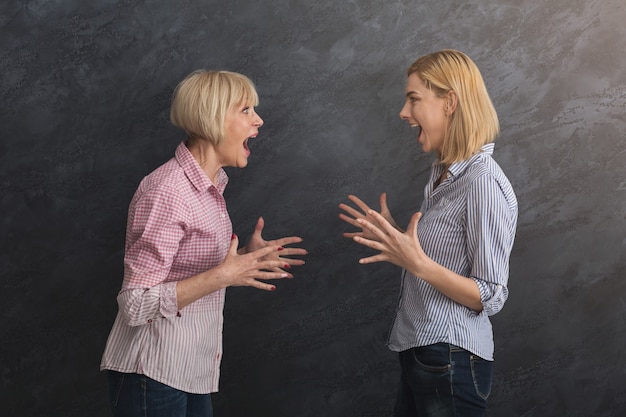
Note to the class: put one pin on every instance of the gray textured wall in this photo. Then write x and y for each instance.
(84, 116)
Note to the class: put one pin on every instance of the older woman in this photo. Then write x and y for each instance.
(455, 252)
(164, 350)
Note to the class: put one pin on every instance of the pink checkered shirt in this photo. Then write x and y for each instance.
(178, 226)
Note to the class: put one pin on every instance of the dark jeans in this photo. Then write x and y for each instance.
(443, 380)
(134, 395)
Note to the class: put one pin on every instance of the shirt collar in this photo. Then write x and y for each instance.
(457, 168)
(195, 174)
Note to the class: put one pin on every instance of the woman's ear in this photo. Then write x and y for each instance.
(451, 102)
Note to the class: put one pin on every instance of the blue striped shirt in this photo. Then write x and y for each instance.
(468, 225)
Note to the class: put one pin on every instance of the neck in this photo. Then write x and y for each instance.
(204, 153)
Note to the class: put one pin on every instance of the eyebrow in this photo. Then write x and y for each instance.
(408, 93)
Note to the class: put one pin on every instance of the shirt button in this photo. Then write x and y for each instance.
(150, 321)
(223, 215)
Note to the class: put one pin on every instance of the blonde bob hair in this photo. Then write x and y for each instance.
(201, 100)
(474, 121)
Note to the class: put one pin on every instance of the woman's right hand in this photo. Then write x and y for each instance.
(248, 269)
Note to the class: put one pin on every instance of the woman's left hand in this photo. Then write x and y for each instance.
(399, 248)
(351, 215)
(257, 242)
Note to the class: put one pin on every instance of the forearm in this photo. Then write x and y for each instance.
(197, 286)
(461, 289)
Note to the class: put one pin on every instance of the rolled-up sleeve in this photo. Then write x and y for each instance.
(492, 296)
(491, 227)
(143, 306)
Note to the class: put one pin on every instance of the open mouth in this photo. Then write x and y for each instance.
(416, 126)
(245, 145)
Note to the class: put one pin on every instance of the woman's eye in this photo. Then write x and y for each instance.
(246, 110)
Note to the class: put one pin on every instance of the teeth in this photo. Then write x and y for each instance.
(415, 125)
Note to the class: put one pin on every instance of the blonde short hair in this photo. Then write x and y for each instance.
(474, 121)
(201, 100)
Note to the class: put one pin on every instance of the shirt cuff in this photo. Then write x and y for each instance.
(492, 296)
(169, 303)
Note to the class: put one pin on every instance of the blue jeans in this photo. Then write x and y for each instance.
(135, 395)
(443, 380)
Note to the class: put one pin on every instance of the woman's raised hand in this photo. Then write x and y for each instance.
(248, 268)
(353, 215)
(394, 246)
(257, 242)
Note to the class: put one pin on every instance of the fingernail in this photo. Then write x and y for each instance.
(233, 237)
(273, 289)
(284, 275)
(280, 248)
(287, 266)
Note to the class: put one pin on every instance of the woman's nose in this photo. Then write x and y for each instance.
(258, 122)
(404, 115)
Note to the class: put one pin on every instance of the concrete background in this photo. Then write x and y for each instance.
(85, 90)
